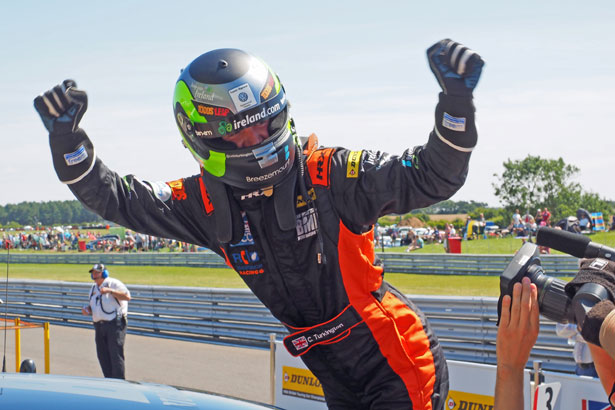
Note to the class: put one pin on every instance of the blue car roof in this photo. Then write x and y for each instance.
(25, 391)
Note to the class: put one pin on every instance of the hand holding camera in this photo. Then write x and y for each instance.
(586, 300)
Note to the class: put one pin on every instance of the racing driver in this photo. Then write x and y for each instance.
(295, 220)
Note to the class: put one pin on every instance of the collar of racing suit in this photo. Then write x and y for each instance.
(227, 201)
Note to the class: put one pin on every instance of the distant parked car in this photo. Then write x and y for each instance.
(31, 391)
(106, 239)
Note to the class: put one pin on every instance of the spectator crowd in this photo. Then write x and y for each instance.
(66, 240)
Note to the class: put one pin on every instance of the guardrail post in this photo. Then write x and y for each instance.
(538, 379)
(538, 376)
(27, 291)
(64, 307)
(213, 307)
(17, 345)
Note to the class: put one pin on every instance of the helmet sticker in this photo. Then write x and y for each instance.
(266, 155)
(202, 92)
(242, 97)
(259, 113)
(266, 91)
(203, 130)
(210, 110)
(225, 127)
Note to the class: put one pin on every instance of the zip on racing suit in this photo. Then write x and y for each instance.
(369, 346)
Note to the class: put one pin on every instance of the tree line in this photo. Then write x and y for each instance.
(46, 213)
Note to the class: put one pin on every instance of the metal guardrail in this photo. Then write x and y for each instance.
(465, 325)
(420, 263)
(206, 259)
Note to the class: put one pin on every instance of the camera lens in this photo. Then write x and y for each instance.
(553, 301)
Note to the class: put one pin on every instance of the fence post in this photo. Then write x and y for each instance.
(17, 345)
(272, 366)
(46, 344)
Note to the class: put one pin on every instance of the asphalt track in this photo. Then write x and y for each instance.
(233, 371)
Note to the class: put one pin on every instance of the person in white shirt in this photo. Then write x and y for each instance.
(582, 355)
(108, 307)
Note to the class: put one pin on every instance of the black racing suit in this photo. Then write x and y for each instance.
(367, 343)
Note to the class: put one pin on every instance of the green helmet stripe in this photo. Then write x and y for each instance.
(215, 165)
(184, 97)
(276, 82)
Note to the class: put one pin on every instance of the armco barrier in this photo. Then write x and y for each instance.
(465, 325)
(420, 263)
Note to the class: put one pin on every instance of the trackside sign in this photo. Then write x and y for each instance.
(301, 383)
(457, 400)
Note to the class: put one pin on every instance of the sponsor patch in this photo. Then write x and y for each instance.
(76, 157)
(300, 343)
(178, 191)
(352, 166)
(161, 190)
(243, 256)
(454, 123)
(242, 97)
(247, 238)
(301, 383)
(301, 202)
(457, 400)
(306, 224)
(410, 161)
(318, 166)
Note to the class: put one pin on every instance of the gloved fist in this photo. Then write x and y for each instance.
(602, 272)
(456, 67)
(62, 107)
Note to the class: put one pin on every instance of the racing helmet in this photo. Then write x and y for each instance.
(224, 95)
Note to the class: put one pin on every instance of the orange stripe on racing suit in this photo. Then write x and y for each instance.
(396, 328)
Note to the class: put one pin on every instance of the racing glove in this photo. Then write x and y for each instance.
(602, 272)
(61, 109)
(456, 67)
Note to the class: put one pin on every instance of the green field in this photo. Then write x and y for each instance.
(226, 278)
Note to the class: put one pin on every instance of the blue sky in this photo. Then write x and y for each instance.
(355, 73)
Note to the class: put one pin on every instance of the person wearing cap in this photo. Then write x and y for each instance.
(108, 306)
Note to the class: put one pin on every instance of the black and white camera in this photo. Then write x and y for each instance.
(553, 300)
